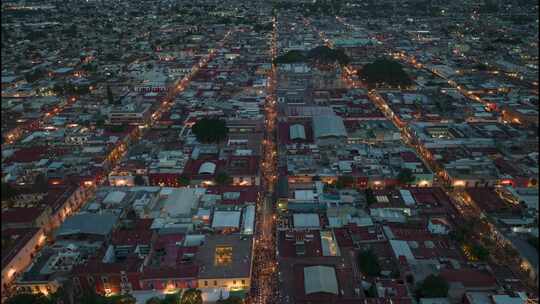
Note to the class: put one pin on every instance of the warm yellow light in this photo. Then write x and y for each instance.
(11, 272)
(42, 239)
(459, 183)
(423, 183)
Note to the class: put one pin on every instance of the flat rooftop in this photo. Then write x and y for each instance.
(237, 266)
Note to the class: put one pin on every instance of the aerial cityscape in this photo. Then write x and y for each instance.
(269, 151)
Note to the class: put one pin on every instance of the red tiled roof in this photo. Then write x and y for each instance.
(409, 157)
(181, 271)
(21, 215)
(96, 266)
(132, 237)
(469, 277)
(30, 154)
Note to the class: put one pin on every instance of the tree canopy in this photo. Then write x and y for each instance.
(405, 176)
(385, 72)
(291, 57)
(89, 297)
(110, 97)
(8, 191)
(210, 130)
(183, 180)
(368, 263)
(192, 296)
(326, 55)
(344, 181)
(139, 180)
(230, 300)
(480, 252)
(370, 197)
(317, 55)
(169, 299)
(434, 286)
(26, 298)
(533, 241)
(223, 179)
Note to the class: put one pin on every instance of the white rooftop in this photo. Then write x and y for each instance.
(320, 279)
(114, 197)
(226, 219)
(306, 220)
(180, 201)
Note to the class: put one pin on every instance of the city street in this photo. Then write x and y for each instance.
(264, 276)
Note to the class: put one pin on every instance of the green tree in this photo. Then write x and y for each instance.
(192, 296)
(121, 299)
(434, 286)
(368, 263)
(291, 57)
(110, 96)
(405, 176)
(344, 181)
(385, 72)
(100, 122)
(153, 300)
(326, 55)
(533, 241)
(34, 75)
(139, 180)
(171, 299)
(370, 197)
(183, 180)
(480, 252)
(41, 183)
(223, 179)
(8, 191)
(26, 298)
(91, 297)
(210, 130)
(230, 300)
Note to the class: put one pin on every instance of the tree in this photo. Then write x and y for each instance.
(153, 300)
(533, 241)
(192, 296)
(385, 71)
(291, 57)
(405, 176)
(434, 286)
(121, 299)
(480, 252)
(210, 130)
(91, 297)
(34, 75)
(25, 298)
(41, 183)
(230, 300)
(326, 55)
(139, 180)
(368, 263)
(110, 96)
(8, 191)
(344, 181)
(370, 197)
(183, 180)
(223, 179)
(171, 299)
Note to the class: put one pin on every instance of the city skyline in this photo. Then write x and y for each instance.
(270, 152)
